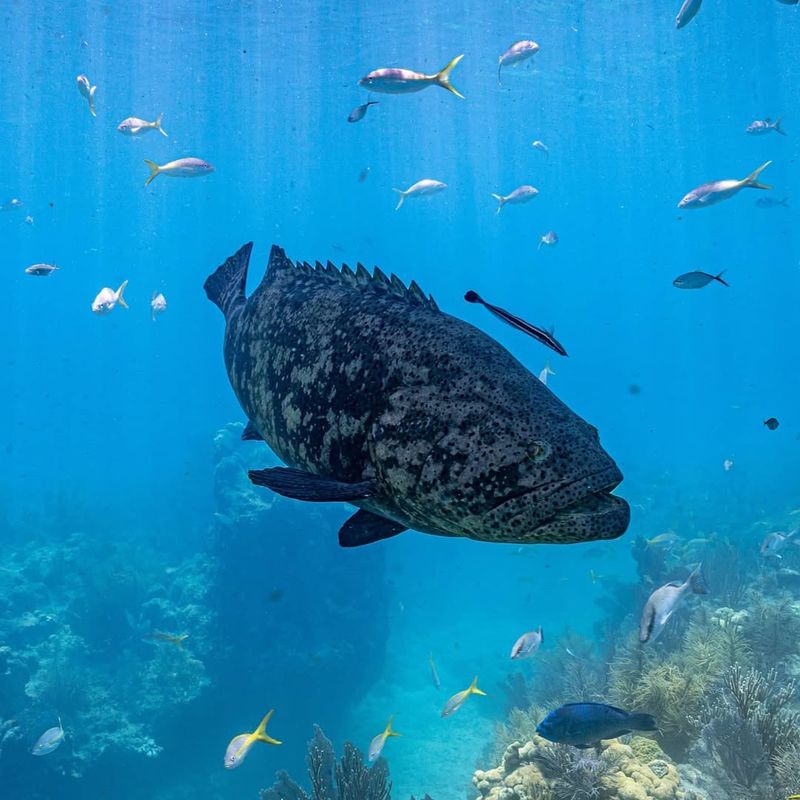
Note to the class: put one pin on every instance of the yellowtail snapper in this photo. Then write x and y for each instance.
(458, 699)
(545, 337)
(716, 191)
(697, 280)
(405, 81)
(584, 725)
(516, 54)
(240, 745)
(49, 740)
(377, 743)
(41, 270)
(688, 11)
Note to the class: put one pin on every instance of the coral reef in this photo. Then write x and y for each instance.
(540, 769)
(345, 779)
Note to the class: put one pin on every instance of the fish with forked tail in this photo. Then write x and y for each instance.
(406, 81)
(375, 397)
(716, 191)
(664, 601)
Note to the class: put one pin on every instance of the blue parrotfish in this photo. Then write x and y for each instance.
(585, 725)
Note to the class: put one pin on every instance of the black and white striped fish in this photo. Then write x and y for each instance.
(545, 337)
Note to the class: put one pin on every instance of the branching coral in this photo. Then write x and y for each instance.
(572, 774)
(772, 629)
(787, 770)
(346, 779)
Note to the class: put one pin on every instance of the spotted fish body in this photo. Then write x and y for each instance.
(374, 396)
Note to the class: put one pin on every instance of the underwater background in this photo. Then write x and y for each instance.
(124, 504)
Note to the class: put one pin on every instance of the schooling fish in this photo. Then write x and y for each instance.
(697, 280)
(761, 126)
(522, 194)
(133, 126)
(772, 423)
(458, 699)
(11, 204)
(405, 81)
(541, 146)
(663, 602)
(516, 54)
(546, 371)
(715, 192)
(584, 725)
(434, 674)
(41, 270)
(359, 112)
(543, 336)
(87, 91)
(170, 638)
(377, 743)
(375, 397)
(182, 168)
(240, 745)
(107, 298)
(49, 740)
(528, 644)
(158, 304)
(688, 11)
(422, 188)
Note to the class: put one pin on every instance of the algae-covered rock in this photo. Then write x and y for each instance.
(615, 771)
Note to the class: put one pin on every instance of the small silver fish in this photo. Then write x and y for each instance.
(775, 542)
(359, 112)
(158, 304)
(727, 464)
(422, 188)
(182, 168)
(41, 270)
(527, 644)
(29, 220)
(715, 192)
(541, 146)
(405, 81)
(546, 371)
(697, 280)
(133, 126)
(550, 239)
(49, 740)
(663, 603)
(761, 126)
(434, 673)
(522, 194)
(688, 11)
(516, 54)
(87, 91)
(11, 204)
(107, 298)
(377, 743)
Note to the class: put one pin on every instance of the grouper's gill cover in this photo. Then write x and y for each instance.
(374, 396)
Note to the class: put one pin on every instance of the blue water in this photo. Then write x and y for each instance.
(109, 422)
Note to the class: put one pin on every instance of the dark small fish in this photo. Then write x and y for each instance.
(584, 725)
(771, 423)
(697, 280)
(687, 13)
(359, 112)
(772, 202)
(275, 596)
(634, 388)
(363, 175)
(541, 335)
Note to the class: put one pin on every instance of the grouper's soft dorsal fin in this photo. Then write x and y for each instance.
(226, 287)
(359, 278)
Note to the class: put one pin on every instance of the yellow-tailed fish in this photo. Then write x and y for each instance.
(133, 126)
(457, 700)
(405, 81)
(377, 743)
(434, 674)
(240, 745)
(668, 538)
(49, 740)
(182, 168)
(170, 638)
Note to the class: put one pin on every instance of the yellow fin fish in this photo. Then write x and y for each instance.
(457, 700)
(404, 81)
(377, 743)
(240, 745)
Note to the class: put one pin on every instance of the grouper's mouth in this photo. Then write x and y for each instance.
(580, 510)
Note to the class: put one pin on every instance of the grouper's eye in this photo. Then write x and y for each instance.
(538, 450)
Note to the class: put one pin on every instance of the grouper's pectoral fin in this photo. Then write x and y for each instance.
(301, 485)
(250, 434)
(364, 527)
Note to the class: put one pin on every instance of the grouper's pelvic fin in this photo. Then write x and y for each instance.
(364, 527)
(226, 287)
(300, 485)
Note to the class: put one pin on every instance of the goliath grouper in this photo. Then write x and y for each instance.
(375, 397)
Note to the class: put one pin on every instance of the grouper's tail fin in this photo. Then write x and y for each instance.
(226, 287)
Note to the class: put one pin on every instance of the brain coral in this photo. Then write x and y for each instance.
(527, 772)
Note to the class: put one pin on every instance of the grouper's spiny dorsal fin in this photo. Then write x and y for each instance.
(226, 287)
(360, 279)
